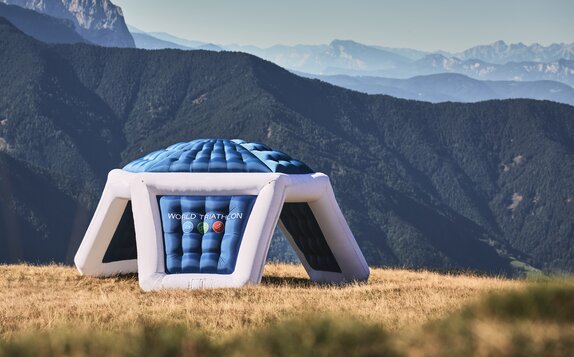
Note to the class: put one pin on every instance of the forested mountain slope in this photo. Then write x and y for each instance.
(436, 185)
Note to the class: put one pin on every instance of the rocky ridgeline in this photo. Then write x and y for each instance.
(98, 21)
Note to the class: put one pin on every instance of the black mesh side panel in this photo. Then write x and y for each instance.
(301, 224)
(123, 244)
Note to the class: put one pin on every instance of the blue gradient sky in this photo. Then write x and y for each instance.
(450, 25)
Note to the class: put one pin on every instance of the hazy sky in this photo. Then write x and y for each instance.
(450, 25)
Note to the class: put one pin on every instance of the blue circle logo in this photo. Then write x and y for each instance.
(187, 227)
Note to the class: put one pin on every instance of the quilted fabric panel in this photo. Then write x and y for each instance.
(202, 234)
(299, 220)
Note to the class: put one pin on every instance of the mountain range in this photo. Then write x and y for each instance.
(162, 40)
(196, 45)
(348, 56)
(562, 70)
(497, 61)
(451, 87)
(102, 23)
(486, 186)
(500, 52)
(351, 58)
(340, 59)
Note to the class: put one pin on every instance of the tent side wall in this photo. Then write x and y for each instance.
(332, 239)
(90, 256)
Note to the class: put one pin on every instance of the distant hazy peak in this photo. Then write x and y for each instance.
(337, 42)
(500, 52)
(134, 29)
(99, 21)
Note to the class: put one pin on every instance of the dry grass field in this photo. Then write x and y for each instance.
(398, 311)
(38, 298)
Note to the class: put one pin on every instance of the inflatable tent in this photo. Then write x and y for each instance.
(202, 214)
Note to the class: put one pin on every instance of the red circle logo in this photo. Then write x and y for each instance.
(218, 227)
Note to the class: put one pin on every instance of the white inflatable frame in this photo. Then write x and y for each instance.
(271, 189)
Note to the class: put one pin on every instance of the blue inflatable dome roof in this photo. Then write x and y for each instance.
(218, 155)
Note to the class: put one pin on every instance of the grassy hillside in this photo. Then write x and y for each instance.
(51, 310)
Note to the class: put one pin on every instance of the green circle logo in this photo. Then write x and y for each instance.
(202, 227)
